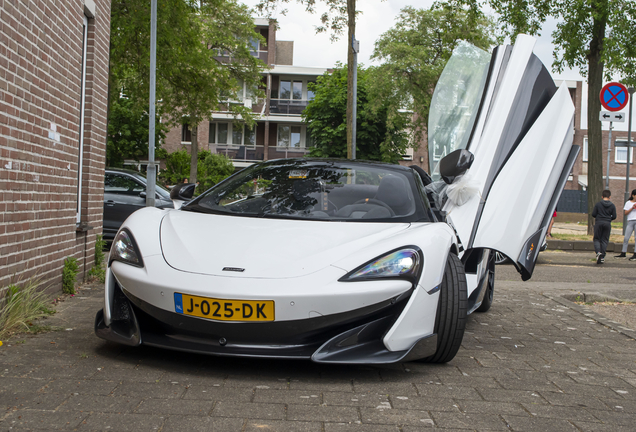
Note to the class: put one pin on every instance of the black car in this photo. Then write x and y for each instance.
(124, 193)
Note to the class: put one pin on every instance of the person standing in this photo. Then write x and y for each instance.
(630, 211)
(604, 212)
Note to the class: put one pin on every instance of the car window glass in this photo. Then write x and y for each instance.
(318, 191)
(455, 102)
(122, 184)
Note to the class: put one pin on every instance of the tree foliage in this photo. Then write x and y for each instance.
(211, 168)
(414, 52)
(596, 36)
(377, 137)
(203, 57)
(128, 132)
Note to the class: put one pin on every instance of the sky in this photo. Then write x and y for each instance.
(317, 50)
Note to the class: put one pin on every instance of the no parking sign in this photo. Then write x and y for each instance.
(614, 96)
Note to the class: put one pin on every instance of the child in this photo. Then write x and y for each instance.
(604, 212)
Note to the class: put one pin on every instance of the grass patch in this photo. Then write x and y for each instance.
(69, 275)
(22, 306)
(98, 272)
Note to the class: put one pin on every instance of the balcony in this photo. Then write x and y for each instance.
(292, 107)
(275, 152)
(240, 153)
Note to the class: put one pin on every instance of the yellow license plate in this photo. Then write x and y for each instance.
(223, 309)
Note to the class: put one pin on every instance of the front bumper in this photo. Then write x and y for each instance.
(349, 337)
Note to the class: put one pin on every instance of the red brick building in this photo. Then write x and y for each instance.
(53, 106)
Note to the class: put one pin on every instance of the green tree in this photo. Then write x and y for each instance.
(203, 57)
(377, 138)
(128, 131)
(596, 36)
(414, 52)
(211, 168)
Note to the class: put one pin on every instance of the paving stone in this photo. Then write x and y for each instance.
(304, 397)
(469, 421)
(171, 406)
(573, 400)
(122, 422)
(354, 427)
(31, 400)
(13, 384)
(424, 403)
(69, 386)
(395, 416)
(355, 399)
(559, 412)
(445, 391)
(218, 393)
(493, 408)
(202, 424)
(156, 390)
(326, 385)
(537, 424)
(249, 410)
(282, 426)
(614, 417)
(98, 403)
(519, 396)
(322, 413)
(598, 427)
(42, 420)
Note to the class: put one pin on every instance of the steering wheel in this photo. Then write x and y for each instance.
(378, 203)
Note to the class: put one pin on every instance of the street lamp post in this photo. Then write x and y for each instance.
(629, 148)
(152, 169)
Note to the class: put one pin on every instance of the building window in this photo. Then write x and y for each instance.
(186, 134)
(254, 46)
(620, 155)
(291, 90)
(585, 149)
(292, 136)
(231, 134)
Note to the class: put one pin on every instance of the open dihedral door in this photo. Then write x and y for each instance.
(507, 111)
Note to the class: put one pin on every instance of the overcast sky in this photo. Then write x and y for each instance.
(316, 50)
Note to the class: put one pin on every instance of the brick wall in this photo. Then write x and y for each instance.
(41, 47)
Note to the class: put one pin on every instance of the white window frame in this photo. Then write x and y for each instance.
(623, 161)
(584, 151)
(80, 164)
(303, 135)
(292, 79)
(230, 134)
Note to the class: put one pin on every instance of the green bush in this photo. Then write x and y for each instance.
(211, 168)
(21, 306)
(97, 272)
(69, 275)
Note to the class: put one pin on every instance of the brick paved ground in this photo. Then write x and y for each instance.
(529, 364)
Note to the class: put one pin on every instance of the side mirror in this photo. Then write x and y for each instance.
(181, 193)
(455, 164)
(142, 194)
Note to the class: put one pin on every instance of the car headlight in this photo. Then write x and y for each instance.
(404, 263)
(125, 249)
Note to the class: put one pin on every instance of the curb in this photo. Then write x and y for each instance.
(580, 245)
(616, 326)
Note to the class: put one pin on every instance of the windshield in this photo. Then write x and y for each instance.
(324, 190)
(456, 102)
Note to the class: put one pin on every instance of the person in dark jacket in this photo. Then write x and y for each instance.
(604, 212)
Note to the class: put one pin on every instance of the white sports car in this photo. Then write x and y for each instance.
(342, 261)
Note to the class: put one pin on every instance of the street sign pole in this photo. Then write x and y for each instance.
(609, 154)
(354, 112)
(629, 141)
(151, 174)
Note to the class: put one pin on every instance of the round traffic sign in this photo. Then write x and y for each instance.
(614, 96)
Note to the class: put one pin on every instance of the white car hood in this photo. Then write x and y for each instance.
(264, 248)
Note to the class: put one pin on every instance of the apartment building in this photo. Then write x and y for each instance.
(53, 102)
(279, 131)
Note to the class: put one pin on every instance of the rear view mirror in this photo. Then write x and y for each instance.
(181, 193)
(455, 164)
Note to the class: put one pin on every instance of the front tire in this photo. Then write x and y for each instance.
(450, 321)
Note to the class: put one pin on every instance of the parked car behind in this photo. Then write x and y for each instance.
(124, 193)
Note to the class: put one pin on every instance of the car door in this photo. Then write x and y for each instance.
(506, 110)
(121, 198)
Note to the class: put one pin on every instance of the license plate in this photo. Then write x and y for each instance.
(223, 309)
